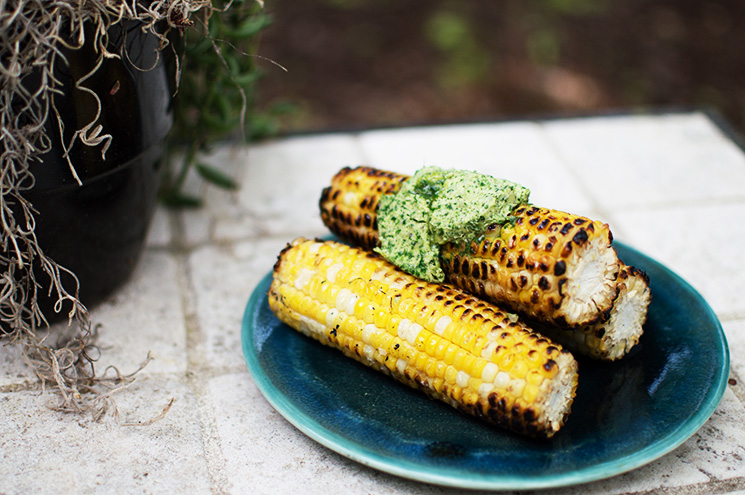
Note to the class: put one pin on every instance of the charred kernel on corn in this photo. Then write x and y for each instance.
(410, 343)
(534, 272)
(553, 266)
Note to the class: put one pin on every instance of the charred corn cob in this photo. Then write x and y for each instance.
(619, 329)
(433, 337)
(349, 206)
(549, 265)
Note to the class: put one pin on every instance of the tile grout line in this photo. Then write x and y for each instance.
(732, 200)
(708, 487)
(211, 445)
(572, 173)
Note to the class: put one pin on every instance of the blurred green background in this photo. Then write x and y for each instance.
(372, 63)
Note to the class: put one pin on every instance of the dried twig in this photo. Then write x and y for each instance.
(33, 37)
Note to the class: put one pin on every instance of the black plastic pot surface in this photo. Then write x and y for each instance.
(98, 230)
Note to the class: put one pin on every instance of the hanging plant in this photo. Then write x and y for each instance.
(209, 44)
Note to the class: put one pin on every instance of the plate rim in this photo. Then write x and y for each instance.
(415, 472)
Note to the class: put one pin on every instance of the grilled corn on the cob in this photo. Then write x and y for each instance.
(547, 264)
(613, 336)
(436, 338)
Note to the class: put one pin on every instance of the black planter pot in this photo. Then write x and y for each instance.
(97, 230)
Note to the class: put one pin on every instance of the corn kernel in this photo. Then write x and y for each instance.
(420, 340)
(478, 345)
(516, 387)
(321, 312)
(451, 374)
(381, 318)
(449, 330)
(474, 383)
(489, 372)
(385, 341)
(457, 312)
(368, 332)
(441, 368)
(431, 367)
(395, 304)
(478, 366)
(530, 394)
(506, 361)
(392, 324)
(450, 353)
(485, 389)
(458, 333)
(502, 380)
(380, 358)
(331, 293)
(437, 383)
(456, 392)
(470, 398)
(405, 307)
(488, 352)
(468, 363)
(431, 344)
(442, 324)
(406, 351)
(519, 369)
(431, 320)
(441, 348)
(461, 379)
(467, 339)
(390, 363)
(534, 377)
(460, 356)
(420, 362)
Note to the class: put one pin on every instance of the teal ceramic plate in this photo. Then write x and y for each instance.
(626, 414)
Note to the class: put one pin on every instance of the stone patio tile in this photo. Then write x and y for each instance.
(650, 160)
(260, 205)
(716, 450)
(13, 370)
(513, 151)
(186, 300)
(712, 454)
(145, 315)
(283, 181)
(197, 226)
(159, 235)
(670, 235)
(223, 279)
(265, 454)
(247, 426)
(47, 452)
(735, 332)
(230, 160)
(222, 217)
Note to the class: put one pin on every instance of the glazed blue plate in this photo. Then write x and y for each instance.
(626, 414)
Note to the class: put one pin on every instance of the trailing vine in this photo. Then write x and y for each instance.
(34, 35)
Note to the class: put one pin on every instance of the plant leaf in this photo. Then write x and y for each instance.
(215, 176)
(251, 27)
(176, 199)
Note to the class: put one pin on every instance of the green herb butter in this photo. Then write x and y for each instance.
(438, 206)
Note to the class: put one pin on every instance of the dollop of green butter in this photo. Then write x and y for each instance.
(437, 206)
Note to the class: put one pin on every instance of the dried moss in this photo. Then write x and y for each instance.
(33, 35)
